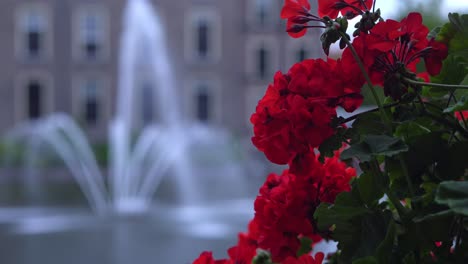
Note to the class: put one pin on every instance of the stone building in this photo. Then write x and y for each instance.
(62, 56)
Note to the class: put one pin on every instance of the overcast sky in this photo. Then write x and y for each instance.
(449, 6)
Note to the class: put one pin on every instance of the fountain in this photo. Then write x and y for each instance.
(126, 226)
(130, 185)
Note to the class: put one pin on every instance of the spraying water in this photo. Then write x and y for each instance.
(131, 184)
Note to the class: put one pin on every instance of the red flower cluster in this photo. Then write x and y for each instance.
(284, 212)
(297, 14)
(392, 50)
(349, 8)
(295, 114)
(306, 259)
(286, 204)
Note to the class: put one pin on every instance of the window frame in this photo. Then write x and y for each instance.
(79, 34)
(213, 20)
(22, 23)
(20, 96)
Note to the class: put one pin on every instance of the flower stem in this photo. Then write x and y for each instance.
(368, 80)
(407, 176)
(440, 85)
(402, 211)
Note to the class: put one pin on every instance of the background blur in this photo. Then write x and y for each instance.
(63, 56)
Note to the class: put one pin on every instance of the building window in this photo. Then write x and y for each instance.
(261, 11)
(34, 95)
(203, 34)
(147, 103)
(301, 54)
(262, 62)
(261, 57)
(33, 33)
(203, 38)
(90, 102)
(91, 35)
(203, 104)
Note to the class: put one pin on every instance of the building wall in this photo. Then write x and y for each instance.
(229, 77)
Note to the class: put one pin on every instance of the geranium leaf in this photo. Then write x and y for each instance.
(358, 230)
(454, 194)
(366, 260)
(370, 188)
(375, 145)
(306, 246)
(453, 161)
(369, 123)
(384, 250)
(332, 144)
(410, 129)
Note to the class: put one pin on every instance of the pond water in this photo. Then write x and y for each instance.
(166, 235)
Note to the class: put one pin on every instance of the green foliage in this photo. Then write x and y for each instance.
(262, 257)
(454, 194)
(359, 230)
(373, 146)
(306, 246)
(419, 157)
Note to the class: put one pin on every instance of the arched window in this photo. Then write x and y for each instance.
(203, 36)
(262, 62)
(203, 104)
(34, 97)
(91, 102)
(147, 103)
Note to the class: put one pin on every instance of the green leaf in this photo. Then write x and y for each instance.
(434, 32)
(454, 70)
(370, 188)
(333, 143)
(375, 145)
(409, 259)
(262, 257)
(358, 229)
(455, 66)
(366, 260)
(384, 250)
(453, 161)
(410, 129)
(454, 194)
(361, 151)
(369, 123)
(306, 246)
(461, 105)
(435, 216)
(465, 80)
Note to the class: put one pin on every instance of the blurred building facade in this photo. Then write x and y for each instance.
(63, 55)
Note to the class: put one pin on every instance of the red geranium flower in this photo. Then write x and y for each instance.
(349, 8)
(246, 247)
(206, 257)
(294, 8)
(392, 50)
(298, 16)
(286, 203)
(295, 114)
(306, 259)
